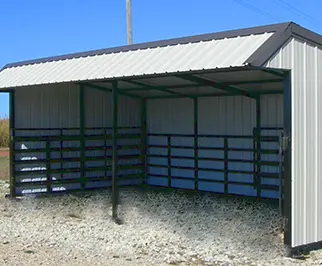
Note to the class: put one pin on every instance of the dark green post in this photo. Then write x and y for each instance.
(115, 148)
(258, 145)
(226, 165)
(143, 140)
(48, 165)
(12, 143)
(82, 133)
(169, 161)
(195, 105)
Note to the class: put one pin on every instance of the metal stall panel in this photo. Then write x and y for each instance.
(232, 116)
(165, 118)
(51, 107)
(99, 121)
(305, 61)
(51, 161)
(272, 125)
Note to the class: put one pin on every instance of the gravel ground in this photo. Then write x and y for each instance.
(158, 229)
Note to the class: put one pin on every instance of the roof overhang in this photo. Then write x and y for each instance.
(241, 51)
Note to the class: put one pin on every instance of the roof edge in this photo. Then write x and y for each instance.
(306, 34)
(278, 39)
(161, 43)
(269, 48)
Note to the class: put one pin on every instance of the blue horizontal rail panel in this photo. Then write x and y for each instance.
(185, 184)
(157, 181)
(211, 187)
(242, 190)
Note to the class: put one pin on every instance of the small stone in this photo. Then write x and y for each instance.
(5, 242)
(116, 257)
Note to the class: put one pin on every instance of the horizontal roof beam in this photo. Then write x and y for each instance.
(217, 85)
(268, 92)
(158, 88)
(249, 82)
(184, 86)
(110, 90)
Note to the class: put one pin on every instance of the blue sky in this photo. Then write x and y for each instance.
(38, 28)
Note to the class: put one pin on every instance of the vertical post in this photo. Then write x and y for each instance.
(226, 165)
(48, 174)
(281, 173)
(82, 134)
(195, 105)
(12, 143)
(258, 145)
(115, 148)
(143, 140)
(169, 161)
(61, 153)
(287, 159)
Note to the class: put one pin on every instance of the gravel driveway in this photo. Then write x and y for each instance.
(158, 229)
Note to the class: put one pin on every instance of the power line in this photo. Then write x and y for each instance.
(298, 12)
(256, 9)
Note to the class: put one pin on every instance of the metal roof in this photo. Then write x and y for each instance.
(236, 48)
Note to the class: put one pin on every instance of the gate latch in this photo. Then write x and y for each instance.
(285, 142)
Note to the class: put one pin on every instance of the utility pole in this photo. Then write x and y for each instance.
(129, 21)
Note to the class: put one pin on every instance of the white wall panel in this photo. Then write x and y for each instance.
(51, 106)
(305, 60)
(217, 116)
(98, 109)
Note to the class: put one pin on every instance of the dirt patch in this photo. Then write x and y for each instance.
(4, 152)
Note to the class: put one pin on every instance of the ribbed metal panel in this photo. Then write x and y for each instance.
(305, 60)
(182, 57)
(51, 106)
(217, 116)
(98, 109)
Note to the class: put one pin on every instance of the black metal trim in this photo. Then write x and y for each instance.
(12, 143)
(288, 160)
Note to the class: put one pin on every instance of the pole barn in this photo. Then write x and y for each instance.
(233, 112)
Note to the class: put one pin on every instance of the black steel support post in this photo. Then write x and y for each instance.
(258, 146)
(12, 143)
(115, 150)
(169, 161)
(82, 133)
(144, 140)
(48, 165)
(195, 103)
(287, 159)
(226, 165)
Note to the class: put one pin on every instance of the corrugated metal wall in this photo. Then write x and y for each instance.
(305, 60)
(56, 107)
(217, 116)
(50, 106)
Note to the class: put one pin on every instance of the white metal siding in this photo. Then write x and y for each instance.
(217, 116)
(305, 60)
(211, 54)
(57, 106)
(98, 109)
(50, 106)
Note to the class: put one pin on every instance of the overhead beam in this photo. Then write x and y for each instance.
(101, 88)
(158, 88)
(184, 86)
(217, 85)
(216, 94)
(249, 82)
